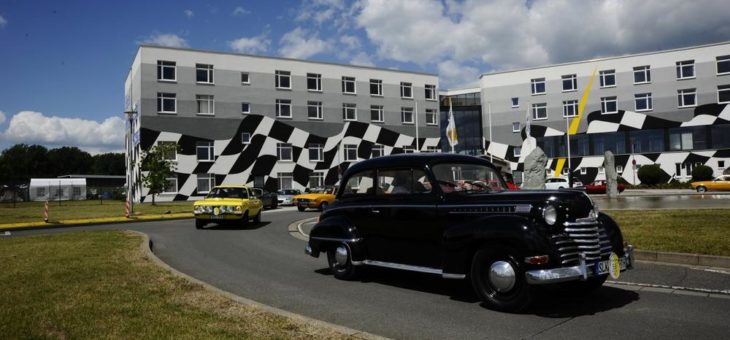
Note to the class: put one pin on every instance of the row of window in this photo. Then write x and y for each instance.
(167, 103)
(167, 71)
(642, 75)
(642, 102)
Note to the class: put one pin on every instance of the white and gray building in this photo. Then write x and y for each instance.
(270, 122)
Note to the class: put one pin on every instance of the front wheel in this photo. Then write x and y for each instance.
(257, 218)
(339, 259)
(701, 189)
(499, 279)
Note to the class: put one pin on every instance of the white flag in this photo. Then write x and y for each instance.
(451, 128)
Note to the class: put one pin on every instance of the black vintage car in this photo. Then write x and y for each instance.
(452, 215)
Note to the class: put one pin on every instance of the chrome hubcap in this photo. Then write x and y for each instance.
(502, 276)
(341, 255)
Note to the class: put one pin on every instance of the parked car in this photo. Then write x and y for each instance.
(452, 215)
(600, 187)
(555, 183)
(719, 183)
(269, 199)
(319, 199)
(227, 204)
(286, 196)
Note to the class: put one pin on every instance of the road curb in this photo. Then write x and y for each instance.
(146, 248)
(104, 220)
(683, 258)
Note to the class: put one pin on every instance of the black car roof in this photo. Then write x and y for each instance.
(414, 160)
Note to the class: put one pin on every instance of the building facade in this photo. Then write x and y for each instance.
(269, 122)
(668, 108)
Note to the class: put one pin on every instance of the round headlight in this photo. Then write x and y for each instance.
(550, 214)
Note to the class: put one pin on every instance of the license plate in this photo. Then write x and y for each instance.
(613, 266)
(302, 204)
(216, 217)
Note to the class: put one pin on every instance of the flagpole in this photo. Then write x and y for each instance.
(567, 137)
(418, 148)
(489, 106)
(451, 115)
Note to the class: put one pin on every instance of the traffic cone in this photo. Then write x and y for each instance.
(45, 212)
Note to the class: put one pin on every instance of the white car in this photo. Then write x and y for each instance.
(555, 183)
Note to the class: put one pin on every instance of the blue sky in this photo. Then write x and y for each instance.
(63, 63)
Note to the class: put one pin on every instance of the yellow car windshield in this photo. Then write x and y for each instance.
(227, 193)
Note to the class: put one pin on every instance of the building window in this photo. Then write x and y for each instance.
(685, 69)
(408, 149)
(284, 152)
(406, 90)
(205, 183)
(609, 105)
(316, 180)
(378, 151)
(245, 138)
(171, 153)
(349, 112)
(314, 110)
(406, 115)
(607, 78)
(570, 82)
(680, 140)
(206, 105)
(286, 180)
(517, 151)
(570, 108)
(720, 165)
(244, 78)
(619, 169)
(282, 79)
(539, 111)
(515, 126)
(376, 113)
(204, 73)
(643, 102)
(515, 102)
(316, 152)
(283, 108)
(583, 171)
(642, 74)
(166, 102)
(314, 82)
(245, 108)
(432, 149)
(431, 117)
(430, 92)
(376, 87)
(723, 64)
(538, 86)
(166, 70)
(687, 98)
(350, 152)
(205, 151)
(348, 85)
(170, 185)
(723, 94)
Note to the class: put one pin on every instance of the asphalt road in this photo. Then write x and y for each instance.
(266, 264)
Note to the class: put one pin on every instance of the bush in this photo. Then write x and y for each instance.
(702, 173)
(726, 172)
(652, 175)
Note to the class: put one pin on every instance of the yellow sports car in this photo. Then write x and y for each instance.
(230, 203)
(719, 183)
(317, 199)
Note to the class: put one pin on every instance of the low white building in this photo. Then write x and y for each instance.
(55, 189)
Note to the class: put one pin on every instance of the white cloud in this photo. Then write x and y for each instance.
(2, 117)
(300, 43)
(240, 11)
(168, 40)
(504, 34)
(362, 59)
(258, 44)
(3, 22)
(455, 75)
(320, 11)
(350, 41)
(35, 127)
(189, 13)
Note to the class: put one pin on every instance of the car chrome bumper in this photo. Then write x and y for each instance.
(579, 272)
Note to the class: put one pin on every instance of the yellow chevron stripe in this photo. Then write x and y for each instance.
(575, 123)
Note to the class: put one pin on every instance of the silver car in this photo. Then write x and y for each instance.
(286, 196)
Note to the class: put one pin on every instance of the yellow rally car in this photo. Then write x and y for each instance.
(228, 204)
(719, 183)
(317, 199)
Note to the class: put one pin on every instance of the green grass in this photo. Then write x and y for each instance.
(67, 210)
(91, 285)
(700, 231)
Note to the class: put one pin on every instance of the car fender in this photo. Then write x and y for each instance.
(461, 241)
(334, 230)
(613, 232)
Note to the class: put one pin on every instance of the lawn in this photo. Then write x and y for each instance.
(98, 284)
(67, 210)
(700, 231)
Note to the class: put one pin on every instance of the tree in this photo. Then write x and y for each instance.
(159, 167)
(109, 164)
(702, 173)
(652, 174)
(22, 162)
(69, 160)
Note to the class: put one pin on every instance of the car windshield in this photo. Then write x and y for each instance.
(227, 193)
(288, 192)
(464, 178)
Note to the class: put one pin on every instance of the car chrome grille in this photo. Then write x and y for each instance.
(585, 236)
